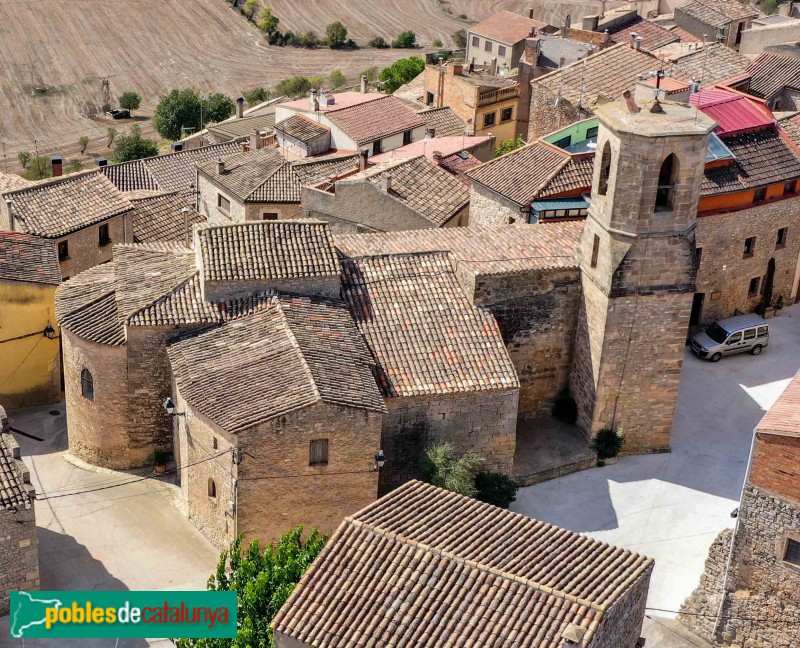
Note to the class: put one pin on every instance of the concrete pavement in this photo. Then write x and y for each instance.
(672, 506)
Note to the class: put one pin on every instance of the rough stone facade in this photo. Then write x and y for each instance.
(621, 625)
(725, 271)
(489, 208)
(481, 422)
(19, 547)
(545, 116)
(238, 211)
(85, 250)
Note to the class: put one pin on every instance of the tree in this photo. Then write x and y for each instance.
(256, 95)
(444, 469)
(133, 146)
(39, 168)
(73, 166)
(406, 40)
(316, 82)
(83, 141)
(293, 87)
(24, 157)
(263, 581)
(269, 22)
(307, 39)
(130, 100)
(509, 145)
(111, 132)
(180, 109)
(217, 107)
(496, 489)
(337, 79)
(378, 42)
(372, 73)
(437, 42)
(768, 6)
(401, 72)
(460, 38)
(336, 35)
(250, 8)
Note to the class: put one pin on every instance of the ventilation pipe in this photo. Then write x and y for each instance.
(363, 84)
(10, 206)
(240, 108)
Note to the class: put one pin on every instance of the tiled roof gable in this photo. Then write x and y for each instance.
(376, 119)
(28, 258)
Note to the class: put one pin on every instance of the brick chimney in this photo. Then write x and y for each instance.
(454, 69)
(220, 167)
(386, 182)
(363, 84)
(363, 156)
(255, 140)
(57, 163)
(240, 108)
(630, 102)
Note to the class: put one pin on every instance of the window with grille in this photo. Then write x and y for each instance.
(506, 114)
(488, 119)
(87, 385)
(792, 553)
(318, 453)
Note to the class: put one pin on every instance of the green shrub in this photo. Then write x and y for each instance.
(293, 87)
(255, 96)
(158, 457)
(437, 42)
(495, 488)
(401, 72)
(406, 40)
(608, 443)
(378, 42)
(443, 468)
(130, 100)
(460, 38)
(133, 146)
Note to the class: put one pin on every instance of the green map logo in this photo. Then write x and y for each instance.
(88, 615)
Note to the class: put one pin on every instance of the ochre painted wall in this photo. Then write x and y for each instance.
(29, 368)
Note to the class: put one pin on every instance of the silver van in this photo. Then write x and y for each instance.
(732, 335)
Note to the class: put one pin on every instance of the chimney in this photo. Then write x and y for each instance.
(10, 206)
(430, 132)
(220, 167)
(472, 65)
(590, 23)
(630, 102)
(531, 50)
(606, 36)
(633, 40)
(313, 104)
(562, 62)
(101, 162)
(494, 67)
(240, 108)
(363, 84)
(573, 635)
(454, 69)
(565, 30)
(530, 14)
(58, 169)
(386, 182)
(255, 140)
(363, 156)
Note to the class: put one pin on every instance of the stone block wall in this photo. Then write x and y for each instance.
(19, 547)
(84, 246)
(545, 117)
(491, 209)
(621, 625)
(219, 291)
(537, 313)
(481, 422)
(724, 274)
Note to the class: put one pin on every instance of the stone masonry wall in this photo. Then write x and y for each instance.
(489, 208)
(537, 313)
(724, 274)
(19, 547)
(481, 422)
(621, 625)
(545, 117)
(84, 246)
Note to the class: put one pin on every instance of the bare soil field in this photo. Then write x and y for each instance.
(55, 53)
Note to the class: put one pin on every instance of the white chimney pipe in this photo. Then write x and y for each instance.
(10, 205)
(363, 84)
(386, 183)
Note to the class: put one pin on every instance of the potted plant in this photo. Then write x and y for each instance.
(608, 443)
(159, 459)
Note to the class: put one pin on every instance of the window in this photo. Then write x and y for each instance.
(667, 176)
(103, 236)
(223, 203)
(591, 132)
(698, 254)
(735, 338)
(506, 114)
(376, 147)
(595, 250)
(792, 552)
(749, 247)
(429, 99)
(87, 384)
(476, 41)
(269, 216)
(406, 137)
(783, 235)
(752, 291)
(63, 250)
(789, 187)
(488, 119)
(762, 331)
(760, 194)
(563, 142)
(605, 170)
(501, 50)
(749, 334)
(212, 488)
(487, 46)
(318, 453)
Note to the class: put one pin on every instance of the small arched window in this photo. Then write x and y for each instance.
(212, 488)
(605, 170)
(667, 177)
(87, 385)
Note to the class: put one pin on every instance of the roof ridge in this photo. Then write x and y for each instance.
(387, 255)
(161, 298)
(275, 171)
(58, 180)
(256, 223)
(301, 355)
(91, 302)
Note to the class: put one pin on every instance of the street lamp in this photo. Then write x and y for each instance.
(380, 459)
(169, 406)
(49, 332)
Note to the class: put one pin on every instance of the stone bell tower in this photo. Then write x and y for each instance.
(638, 269)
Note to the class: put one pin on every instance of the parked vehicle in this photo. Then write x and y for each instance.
(732, 335)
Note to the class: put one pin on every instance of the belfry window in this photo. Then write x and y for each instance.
(87, 384)
(667, 176)
(605, 170)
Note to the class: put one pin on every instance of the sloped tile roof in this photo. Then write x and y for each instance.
(14, 492)
(28, 258)
(784, 415)
(314, 170)
(762, 158)
(423, 567)
(130, 176)
(772, 72)
(791, 126)
(11, 181)
(712, 64)
(685, 36)
(507, 27)
(301, 128)
(59, 207)
(717, 12)
(183, 304)
(481, 250)
(244, 172)
(238, 128)
(425, 335)
(732, 111)
(654, 36)
(521, 174)
(459, 163)
(376, 119)
(267, 250)
(444, 120)
(285, 355)
(574, 175)
(161, 218)
(86, 306)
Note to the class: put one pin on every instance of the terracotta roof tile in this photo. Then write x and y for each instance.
(479, 250)
(239, 128)
(712, 64)
(574, 175)
(301, 128)
(161, 218)
(376, 119)
(11, 182)
(791, 126)
(423, 567)
(654, 36)
(772, 72)
(459, 164)
(267, 250)
(59, 207)
(15, 491)
(286, 354)
(444, 120)
(425, 335)
(784, 416)
(28, 258)
(86, 306)
(183, 304)
(717, 12)
(130, 176)
(685, 36)
(507, 27)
